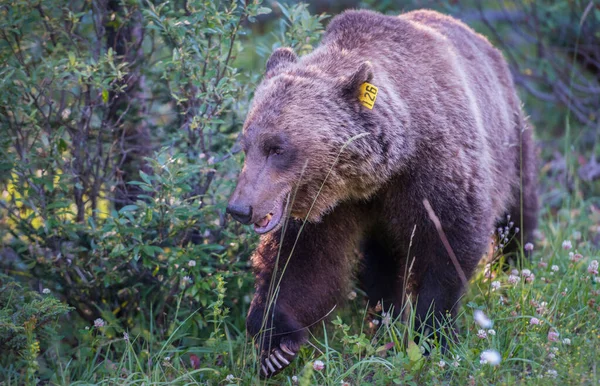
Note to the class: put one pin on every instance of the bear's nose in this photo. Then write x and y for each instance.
(241, 213)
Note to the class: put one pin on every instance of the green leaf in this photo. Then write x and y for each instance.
(105, 95)
(71, 58)
(128, 208)
(62, 146)
(414, 352)
(263, 11)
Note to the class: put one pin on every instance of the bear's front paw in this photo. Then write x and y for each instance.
(279, 357)
(278, 341)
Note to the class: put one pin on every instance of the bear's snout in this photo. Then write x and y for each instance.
(241, 213)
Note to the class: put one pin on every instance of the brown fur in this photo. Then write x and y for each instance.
(447, 126)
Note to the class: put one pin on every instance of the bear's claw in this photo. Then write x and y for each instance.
(276, 361)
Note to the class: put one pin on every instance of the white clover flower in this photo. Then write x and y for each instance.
(593, 267)
(515, 272)
(46, 291)
(481, 334)
(530, 278)
(490, 357)
(555, 268)
(513, 279)
(192, 263)
(126, 336)
(295, 379)
(352, 295)
(552, 373)
(566, 245)
(167, 359)
(187, 279)
(495, 285)
(491, 332)
(99, 323)
(529, 247)
(318, 365)
(534, 321)
(442, 364)
(387, 320)
(526, 272)
(575, 257)
(482, 319)
(566, 341)
(230, 378)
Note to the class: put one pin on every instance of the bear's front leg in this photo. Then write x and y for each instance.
(301, 275)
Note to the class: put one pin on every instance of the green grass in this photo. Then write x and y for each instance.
(564, 297)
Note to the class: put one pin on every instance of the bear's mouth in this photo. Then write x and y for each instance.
(270, 221)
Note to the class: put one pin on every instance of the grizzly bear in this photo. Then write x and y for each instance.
(325, 174)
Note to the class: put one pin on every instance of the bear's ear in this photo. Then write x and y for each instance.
(280, 58)
(351, 85)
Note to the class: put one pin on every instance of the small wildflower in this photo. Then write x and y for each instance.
(192, 263)
(490, 357)
(99, 323)
(541, 309)
(555, 268)
(517, 230)
(230, 378)
(542, 264)
(87, 327)
(551, 355)
(534, 321)
(575, 257)
(46, 291)
(187, 279)
(566, 341)
(344, 383)
(386, 321)
(593, 267)
(526, 272)
(376, 322)
(514, 272)
(553, 336)
(126, 336)
(529, 247)
(442, 364)
(167, 359)
(552, 373)
(512, 279)
(530, 278)
(491, 332)
(295, 379)
(481, 334)
(566, 245)
(352, 295)
(495, 285)
(318, 365)
(482, 319)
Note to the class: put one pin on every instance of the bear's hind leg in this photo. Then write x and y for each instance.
(524, 211)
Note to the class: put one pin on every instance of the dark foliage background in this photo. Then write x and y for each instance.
(118, 128)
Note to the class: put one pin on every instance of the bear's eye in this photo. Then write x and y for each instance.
(275, 150)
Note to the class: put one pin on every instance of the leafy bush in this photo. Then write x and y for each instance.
(118, 128)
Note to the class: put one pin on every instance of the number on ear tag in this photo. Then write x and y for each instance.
(367, 95)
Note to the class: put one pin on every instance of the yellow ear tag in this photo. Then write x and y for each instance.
(367, 95)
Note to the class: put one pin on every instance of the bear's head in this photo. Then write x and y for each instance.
(302, 141)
